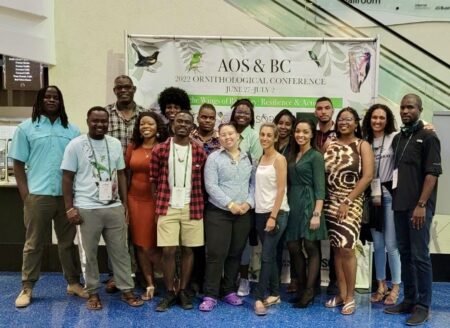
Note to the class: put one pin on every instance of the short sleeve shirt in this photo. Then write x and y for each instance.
(40, 145)
(92, 165)
(122, 128)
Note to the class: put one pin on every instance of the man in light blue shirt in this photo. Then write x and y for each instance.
(39, 144)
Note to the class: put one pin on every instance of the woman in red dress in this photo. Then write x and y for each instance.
(148, 131)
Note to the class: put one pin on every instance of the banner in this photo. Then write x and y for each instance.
(273, 73)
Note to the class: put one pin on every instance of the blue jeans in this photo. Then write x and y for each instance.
(268, 276)
(387, 241)
(417, 275)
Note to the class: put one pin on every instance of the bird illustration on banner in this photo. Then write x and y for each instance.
(145, 61)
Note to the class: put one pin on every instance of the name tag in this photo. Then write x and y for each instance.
(105, 190)
(394, 179)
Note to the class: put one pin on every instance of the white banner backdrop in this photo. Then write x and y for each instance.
(273, 73)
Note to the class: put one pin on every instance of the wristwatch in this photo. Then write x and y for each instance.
(421, 204)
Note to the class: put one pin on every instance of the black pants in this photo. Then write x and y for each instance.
(226, 235)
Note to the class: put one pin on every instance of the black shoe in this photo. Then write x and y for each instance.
(306, 299)
(400, 308)
(169, 300)
(420, 314)
(185, 300)
(294, 299)
(332, 288)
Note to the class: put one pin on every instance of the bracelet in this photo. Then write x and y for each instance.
(272, 217)
(316, 213)
(230, 205)
(70, 210)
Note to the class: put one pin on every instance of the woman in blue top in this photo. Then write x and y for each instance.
(229, 181)
(306, 224)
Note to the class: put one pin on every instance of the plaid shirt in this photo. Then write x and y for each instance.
(159, 174)
(119, 127)
(211, 145)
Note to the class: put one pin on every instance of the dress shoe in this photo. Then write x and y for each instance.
(420, 314)
(400, 308)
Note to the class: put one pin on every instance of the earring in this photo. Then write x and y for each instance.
(157, 135)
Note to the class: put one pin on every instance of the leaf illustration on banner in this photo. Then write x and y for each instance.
(191, 54)
(137, 74)
(359, 61)
(338, 54)
(313, 56)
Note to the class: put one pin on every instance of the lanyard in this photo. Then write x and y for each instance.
(403, 151)
(379, 158)
(174, 163)
(97, 163)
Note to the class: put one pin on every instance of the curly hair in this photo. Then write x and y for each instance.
(247, 103)
(355, 115)
(161, 130)
(38, 107)
(173, 95)
(284, 112)
(367, 130)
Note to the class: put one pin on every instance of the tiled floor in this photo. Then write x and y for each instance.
(51, 307)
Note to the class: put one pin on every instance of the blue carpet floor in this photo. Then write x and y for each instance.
(51, 307)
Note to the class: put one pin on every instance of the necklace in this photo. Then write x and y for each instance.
(183, 157)
(147, 153)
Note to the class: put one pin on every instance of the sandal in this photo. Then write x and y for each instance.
(379, 296)
(349, 308)
(93, 302)
(260, 309)
(208, 304)
(148, 294)
(392, 296)
(272, 300)
(333, 302)
(233, 299)
(131, 300)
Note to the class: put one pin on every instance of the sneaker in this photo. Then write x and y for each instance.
(400, 308)
(185, 300)
(244, 287)
(419, 316)
(169, 300)
(24, 298)
(78, 290)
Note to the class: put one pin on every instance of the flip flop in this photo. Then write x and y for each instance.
(333, 302)
(131, 300)
(93, 303)
(260, 310)
(349, 308)
(208, 304)
(233, 299)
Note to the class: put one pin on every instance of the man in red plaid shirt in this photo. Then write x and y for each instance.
(176, 177)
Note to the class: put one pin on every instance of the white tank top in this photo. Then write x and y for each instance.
(266, 189)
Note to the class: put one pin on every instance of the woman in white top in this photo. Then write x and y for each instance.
(271, 216)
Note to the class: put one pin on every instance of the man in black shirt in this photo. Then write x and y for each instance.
(417, 167)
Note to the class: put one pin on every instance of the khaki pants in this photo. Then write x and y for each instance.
(39, 211)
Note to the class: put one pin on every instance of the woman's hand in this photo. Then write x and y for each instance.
(244, 207)
(314, 223)
(342, 212)
(270, 224)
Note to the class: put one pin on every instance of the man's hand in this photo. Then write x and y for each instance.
(244, 207)
(418, 217)
(74, 216)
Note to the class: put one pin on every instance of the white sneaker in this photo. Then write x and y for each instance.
(24, 298)
(244, 287)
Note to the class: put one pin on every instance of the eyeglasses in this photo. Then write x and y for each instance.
(346, 120)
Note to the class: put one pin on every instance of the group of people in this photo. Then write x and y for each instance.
(191, 195)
